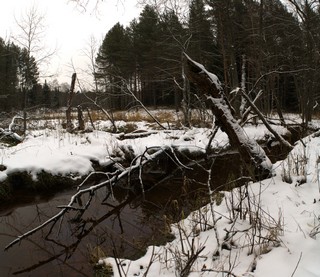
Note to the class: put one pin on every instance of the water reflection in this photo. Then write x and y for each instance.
(121, 225)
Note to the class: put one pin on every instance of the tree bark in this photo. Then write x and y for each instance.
(71, 94)
(80, 118)
(251, 152)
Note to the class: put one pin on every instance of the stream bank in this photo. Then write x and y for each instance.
(120, 225)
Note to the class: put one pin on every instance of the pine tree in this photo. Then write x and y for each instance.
(114, 54)
(146, 43)
(8, 74)
(46, 95)
(28, 77)
(171, 46)
(203, 46)
(114, 63)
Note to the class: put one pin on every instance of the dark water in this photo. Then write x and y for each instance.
(122, 225)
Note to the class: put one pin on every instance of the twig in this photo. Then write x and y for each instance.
(130, 92)
(219, 271)
(295, 269)
(152, 258)
(186, 270)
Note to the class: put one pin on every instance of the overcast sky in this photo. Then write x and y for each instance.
(68, 28)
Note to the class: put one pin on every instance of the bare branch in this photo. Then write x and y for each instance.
(90, 191)
(257, 111)
(130, 92)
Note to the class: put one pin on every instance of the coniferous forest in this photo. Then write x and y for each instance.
(261, 46)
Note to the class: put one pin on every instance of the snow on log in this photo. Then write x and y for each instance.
(14, 136)
(250, 151)
(9, 132)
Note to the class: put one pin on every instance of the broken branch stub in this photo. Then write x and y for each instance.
(251, 152)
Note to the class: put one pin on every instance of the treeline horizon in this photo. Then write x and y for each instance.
(252, 45)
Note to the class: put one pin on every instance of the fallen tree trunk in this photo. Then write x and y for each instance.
(251, 152)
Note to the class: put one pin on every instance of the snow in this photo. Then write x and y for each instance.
(290, 230)
(289, 214)
(285, 218)
(213, 78)
(61, 153)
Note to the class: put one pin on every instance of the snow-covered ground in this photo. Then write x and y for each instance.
(59, 152)
(272, 231)
(282, 238)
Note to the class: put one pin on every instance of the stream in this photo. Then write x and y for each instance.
(120, 225)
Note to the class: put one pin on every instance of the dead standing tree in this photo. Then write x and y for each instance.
(251, 152)
(69, 104)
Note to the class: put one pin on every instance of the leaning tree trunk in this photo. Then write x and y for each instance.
(250, 151)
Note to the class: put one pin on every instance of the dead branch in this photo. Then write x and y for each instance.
(257, 111)
(70, 248)
(143, 160)
(9, 132)
(131, 93)
(137, 134)
(248, 110)
(229, 273)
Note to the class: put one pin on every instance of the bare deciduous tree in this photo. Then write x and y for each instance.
(90, 52)
(92, 5)
(31, 37)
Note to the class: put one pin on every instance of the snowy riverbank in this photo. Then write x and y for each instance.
(273, 231)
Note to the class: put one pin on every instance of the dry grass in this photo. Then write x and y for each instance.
(46, 118)
(140, 115)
